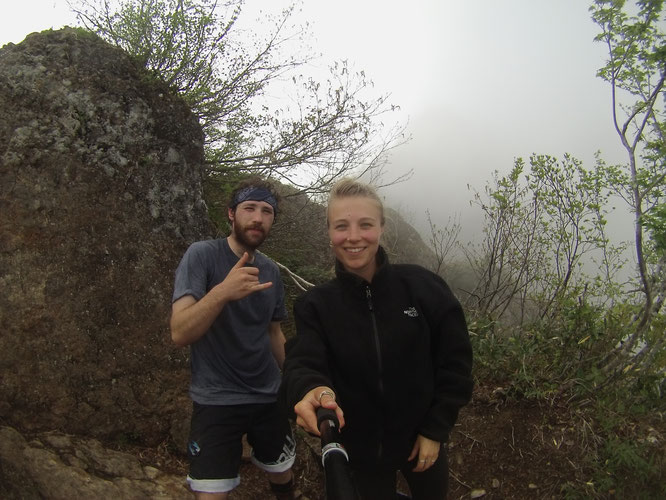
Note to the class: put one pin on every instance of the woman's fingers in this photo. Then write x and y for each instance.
(424, 464)
(428, 451)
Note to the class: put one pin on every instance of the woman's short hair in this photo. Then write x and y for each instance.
(347, 188)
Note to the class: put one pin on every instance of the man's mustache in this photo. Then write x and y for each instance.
(255, 227)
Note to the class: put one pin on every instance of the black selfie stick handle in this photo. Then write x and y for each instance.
(339, 482)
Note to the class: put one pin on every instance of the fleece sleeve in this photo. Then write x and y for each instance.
(306, 362)
(452, 362)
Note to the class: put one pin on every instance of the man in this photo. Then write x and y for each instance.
(227, 305)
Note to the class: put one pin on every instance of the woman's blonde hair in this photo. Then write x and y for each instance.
(347, 188)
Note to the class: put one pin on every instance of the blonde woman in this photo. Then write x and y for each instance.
(384, 345)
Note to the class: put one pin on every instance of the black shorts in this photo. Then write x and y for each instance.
(215, 446)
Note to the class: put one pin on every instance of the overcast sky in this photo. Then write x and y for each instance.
(481, 83)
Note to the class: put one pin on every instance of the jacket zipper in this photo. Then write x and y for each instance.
(375, 331)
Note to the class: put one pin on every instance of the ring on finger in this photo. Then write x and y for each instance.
(326, 392)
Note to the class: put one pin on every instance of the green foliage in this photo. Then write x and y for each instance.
(626, 462)
(542, 357)
(627, 459)
(315, 133)
(539, 226)
(181, 41)
(217, 192)
(655, 222)
(491, 356)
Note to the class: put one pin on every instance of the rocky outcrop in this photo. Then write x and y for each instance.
(56, 465)
(404, 244)
(101, 170)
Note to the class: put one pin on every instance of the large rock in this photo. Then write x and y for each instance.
(59, 466)
(101, 170)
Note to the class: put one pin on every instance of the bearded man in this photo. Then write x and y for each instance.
(227, 305)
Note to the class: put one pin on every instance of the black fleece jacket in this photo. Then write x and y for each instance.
(396, 352)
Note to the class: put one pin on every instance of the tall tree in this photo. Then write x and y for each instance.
(333, 128)
(636, 72)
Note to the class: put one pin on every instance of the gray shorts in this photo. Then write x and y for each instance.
(215, 446)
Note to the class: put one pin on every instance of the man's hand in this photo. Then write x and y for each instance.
(306, 408)
(242, 281)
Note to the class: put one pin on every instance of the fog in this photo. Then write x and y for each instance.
(480, 83)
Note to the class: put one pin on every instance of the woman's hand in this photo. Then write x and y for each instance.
(305, 409)
(427, 451)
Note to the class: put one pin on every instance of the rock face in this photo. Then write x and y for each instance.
(101, 172)
(404, 244)
(54, 465)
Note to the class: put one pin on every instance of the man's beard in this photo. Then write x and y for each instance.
(251, 243)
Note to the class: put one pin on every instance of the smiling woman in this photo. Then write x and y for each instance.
(355, 225)
(387, 343)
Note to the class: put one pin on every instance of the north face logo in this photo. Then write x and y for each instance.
(411, 312)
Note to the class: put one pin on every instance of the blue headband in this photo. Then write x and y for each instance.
(252, 193)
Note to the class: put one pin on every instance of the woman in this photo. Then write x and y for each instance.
(386, 346)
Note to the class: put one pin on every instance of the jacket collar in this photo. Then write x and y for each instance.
(354, 279)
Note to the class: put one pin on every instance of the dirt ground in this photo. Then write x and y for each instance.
(500, 449)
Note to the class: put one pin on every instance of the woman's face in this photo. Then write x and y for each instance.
(354, 227)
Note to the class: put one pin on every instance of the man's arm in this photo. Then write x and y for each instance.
(277, 342)
(191, 319)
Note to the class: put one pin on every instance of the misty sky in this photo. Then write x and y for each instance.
(481, 83)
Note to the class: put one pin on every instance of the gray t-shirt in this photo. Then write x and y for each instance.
(233, 362)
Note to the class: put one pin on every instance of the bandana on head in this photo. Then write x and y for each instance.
(252, 193)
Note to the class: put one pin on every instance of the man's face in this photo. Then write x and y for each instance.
(250, 222)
